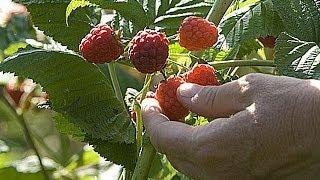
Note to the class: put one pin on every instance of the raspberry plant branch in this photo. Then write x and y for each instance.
(218, 9)
(32, 144)
(236, 63)
(145, 89)
(27, 133)
(145, 160)
(115, 83)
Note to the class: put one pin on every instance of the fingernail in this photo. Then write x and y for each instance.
(188, 90)
(150, 105)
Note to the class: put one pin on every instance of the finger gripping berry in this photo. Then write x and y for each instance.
(202, 74)
(196, 34)
(149, 51)
(101, 45)
(166, 94)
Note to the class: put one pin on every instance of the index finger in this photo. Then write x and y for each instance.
(169, 137)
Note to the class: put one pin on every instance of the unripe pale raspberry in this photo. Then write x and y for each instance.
(166, 94)
(202, 74)
(149, 51)
(101, 45)
(196, 34)
(15, 93)
(268, 41)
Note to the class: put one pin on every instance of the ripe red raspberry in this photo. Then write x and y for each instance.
(101, 45)
(166, 94)
(202, 74)
(268, 41)
(149, 51)
(196, 33)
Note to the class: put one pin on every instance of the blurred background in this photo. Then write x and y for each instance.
(27, 129)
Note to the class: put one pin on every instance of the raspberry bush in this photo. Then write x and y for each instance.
(99, 65)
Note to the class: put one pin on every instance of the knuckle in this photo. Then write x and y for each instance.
(253, 77)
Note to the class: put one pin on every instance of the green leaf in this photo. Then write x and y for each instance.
(77, 89)
(248, 47)
(297, 58)
(64, 125)
(74, 4)
(131, 10)
(49, 16)
(301, 18)
(251, 22)
(119, 153)
(82, 95)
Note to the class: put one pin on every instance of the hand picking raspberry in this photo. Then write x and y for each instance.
(166, 94)
(267, 127)
(101, 45)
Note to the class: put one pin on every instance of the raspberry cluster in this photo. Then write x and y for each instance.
(196, 33)
(149, 51)
(101, 45)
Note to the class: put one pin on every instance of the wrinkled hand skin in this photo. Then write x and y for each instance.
(266, 127)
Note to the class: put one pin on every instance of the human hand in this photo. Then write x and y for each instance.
(266, 127)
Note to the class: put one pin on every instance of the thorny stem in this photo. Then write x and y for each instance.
(32, 144)
(148, 152)
(115, 83)
(218, 9)
(144, 161)
(137, 109)
(27, 134)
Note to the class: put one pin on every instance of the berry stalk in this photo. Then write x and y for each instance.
(145, 160)
(137, 109)
(236, 63)
(218, 9)
(115, 83)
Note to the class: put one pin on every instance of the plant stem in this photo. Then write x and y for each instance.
(236, 63)
(53, 154)
(137, 109)
(218, 9)
(127, 175)
(26, 132)
(32, 144)
(144, 161)
(115, 83)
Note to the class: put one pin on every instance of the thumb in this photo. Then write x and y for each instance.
(212, 101)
